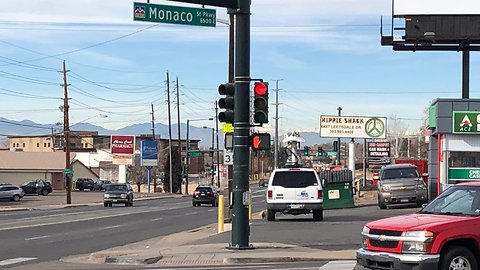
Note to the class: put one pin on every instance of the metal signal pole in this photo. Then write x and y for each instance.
(169, 134)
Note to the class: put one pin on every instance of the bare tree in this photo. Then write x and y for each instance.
(397, 129)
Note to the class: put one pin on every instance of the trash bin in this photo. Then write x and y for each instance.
(337, 189)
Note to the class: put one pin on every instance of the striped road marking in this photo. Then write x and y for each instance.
(339, 265)
(16, 260)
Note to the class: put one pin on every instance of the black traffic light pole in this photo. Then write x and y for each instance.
(241, 147)
(241, 134)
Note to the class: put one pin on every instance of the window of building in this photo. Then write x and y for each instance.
(38, 144)
(44, 144)
(49, 145)
(23, 145)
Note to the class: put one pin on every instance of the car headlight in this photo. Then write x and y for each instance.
(417, 242)
(106, 196)
(365, 230)
(386, 188)
(123, 196)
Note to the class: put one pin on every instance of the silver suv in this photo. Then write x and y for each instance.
(294, 191)
(11, 192)
(400, 183)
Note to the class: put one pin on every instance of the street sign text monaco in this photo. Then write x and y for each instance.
(174, 14)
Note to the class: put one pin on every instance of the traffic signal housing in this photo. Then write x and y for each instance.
(227, 102)
(306, 150)
(320, 152)
(260, 141)
(260, 102)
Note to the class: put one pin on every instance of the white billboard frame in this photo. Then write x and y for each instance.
(362, 127)
(435, 7)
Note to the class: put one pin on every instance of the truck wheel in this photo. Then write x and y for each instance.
(382, 206)
(458, 257)
(318, 215)
(270, 215)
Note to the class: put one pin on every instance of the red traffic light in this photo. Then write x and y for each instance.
(260, 141)
(260, 89)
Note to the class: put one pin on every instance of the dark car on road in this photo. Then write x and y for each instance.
(39, 187)
(205, 195)
(118, 193)
(84, 183)
(100, 185)
(11, 192)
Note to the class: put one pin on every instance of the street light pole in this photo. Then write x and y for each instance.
(211, 154)
(339, 109)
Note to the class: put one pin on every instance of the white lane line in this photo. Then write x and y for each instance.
(110, 227)
(192, 213)
(213, 209)
(339, 265)
(16, 260)
(38, 237)
(157, 219)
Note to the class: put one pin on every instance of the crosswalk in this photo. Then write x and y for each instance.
(339, 265)
(16, 260)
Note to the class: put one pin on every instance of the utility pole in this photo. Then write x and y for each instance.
(178, 126)
(339, 109)
(218, 149)
(275, 148)
(153, 139)
(66, 133)
(169, 133)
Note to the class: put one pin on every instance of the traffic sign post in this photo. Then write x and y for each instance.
(173, 14)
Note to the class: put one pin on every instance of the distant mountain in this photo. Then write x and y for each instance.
(27, 127)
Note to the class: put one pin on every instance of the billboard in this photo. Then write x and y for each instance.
(378, 149)
(122, 144)
(435, 7)
(353, 127)
(149, 153)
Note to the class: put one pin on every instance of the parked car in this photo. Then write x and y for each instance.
(400, 183)
(294, 191)
(11, 192)
(84, 183)
(205, 194)
(118, 193)
(100, 185)
(39, 187)
(443, 235)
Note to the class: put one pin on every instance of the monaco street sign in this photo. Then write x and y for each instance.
(174, 14)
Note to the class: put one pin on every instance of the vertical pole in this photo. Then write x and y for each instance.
(187, 158)
(213, 156)
(276, 126)
(231, 79)
(339, 109)
(178, 129)
(240, 226)
(154, 139)
(149, 170)
(364, 163)
(466, 72)
(66, 133)
(169, 134)
(218, 147)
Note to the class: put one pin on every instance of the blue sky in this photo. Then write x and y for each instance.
(327, 54)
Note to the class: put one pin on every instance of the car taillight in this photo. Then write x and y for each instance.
(319, 194)
(196, 193)
(270, 194)
(209, 193)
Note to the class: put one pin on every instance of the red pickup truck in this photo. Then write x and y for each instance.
(444, 235)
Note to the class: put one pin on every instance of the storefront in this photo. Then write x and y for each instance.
(454, 148)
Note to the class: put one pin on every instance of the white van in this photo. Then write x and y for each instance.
(294, 191)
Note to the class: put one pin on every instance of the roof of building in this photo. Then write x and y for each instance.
(54, 161)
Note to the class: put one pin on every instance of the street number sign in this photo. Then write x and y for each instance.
(228, 157)
(174, 14)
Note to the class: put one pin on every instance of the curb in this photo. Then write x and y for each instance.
(133, 260)
(271, 260)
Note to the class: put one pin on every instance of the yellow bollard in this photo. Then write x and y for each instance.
(250, 210)
(221, 208)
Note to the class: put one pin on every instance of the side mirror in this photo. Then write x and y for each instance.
(424, 174)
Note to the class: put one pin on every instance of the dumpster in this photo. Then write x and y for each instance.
(337, 189)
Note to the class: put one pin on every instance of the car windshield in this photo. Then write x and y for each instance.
(396, 173)
(456, 200)
(295, 179)
(116, 188)
(203, 189)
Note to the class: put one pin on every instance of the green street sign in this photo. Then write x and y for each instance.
(463, 174)
(194, 153)
(68, 171)
(466, 122)
(331, 154)
(174, 14)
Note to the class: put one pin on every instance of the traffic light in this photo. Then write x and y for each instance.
(335, 146)
(260, 141)
(227, 102)
(306, 149)
(260, 102)
(320, 152)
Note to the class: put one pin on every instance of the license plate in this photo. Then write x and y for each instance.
(403, 200)
(296, 206)
(114, 200)
(203, 195)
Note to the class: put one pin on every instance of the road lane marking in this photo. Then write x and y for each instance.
(213, 209)
(16, 260)
(192, 213)
(157, 219)
(110, 227)
(38, 237)
(339, 265)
